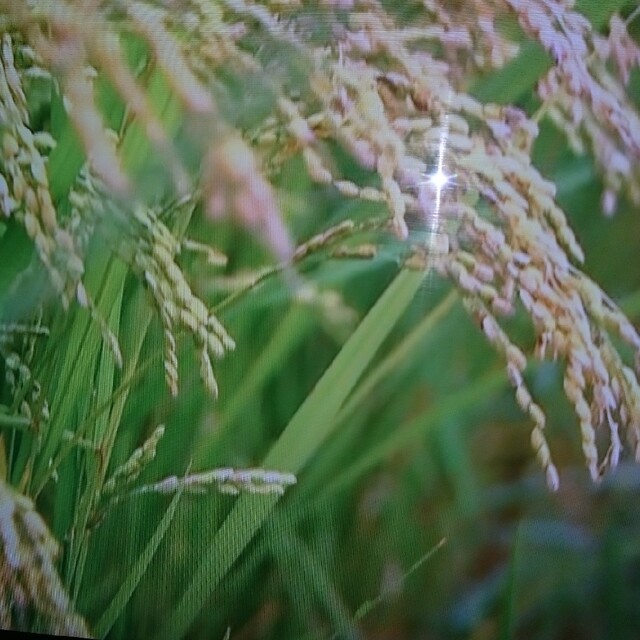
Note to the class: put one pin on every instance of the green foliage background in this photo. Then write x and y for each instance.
(403, 433)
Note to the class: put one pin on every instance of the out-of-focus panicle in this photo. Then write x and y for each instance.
(22, 386)
(582, 94)
(149, 22)
(76, 36)
(30, 589)
(479, 40)
(24, 183)
(65, 52)
(235, 186)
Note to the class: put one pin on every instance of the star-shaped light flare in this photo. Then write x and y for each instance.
(439, 180)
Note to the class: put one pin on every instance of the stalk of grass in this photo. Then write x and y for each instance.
(74, 368)
(85, 382)
(366, 607)
(507, 626)
(139, 314)
(66, 160)
(106, 371)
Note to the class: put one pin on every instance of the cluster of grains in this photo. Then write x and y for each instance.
(583, 94)
(462, 40)
(24, 184)
(179, 308)
(516, 364)
(226, 480)
(128, 472)
(26, 392)
(398, 109)
(526, 254)
(66, 42)
(11, 331)
(28, 407)
(30, 589)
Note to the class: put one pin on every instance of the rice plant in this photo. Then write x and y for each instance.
(319, 319)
